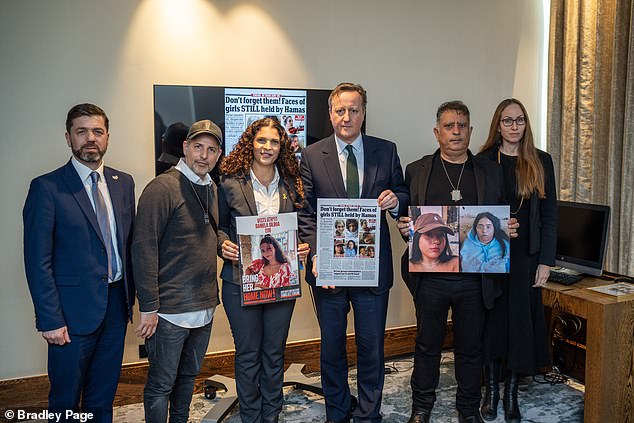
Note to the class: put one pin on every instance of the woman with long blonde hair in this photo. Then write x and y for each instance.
(515, 329)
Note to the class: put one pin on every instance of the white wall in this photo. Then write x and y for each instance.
(410, 55)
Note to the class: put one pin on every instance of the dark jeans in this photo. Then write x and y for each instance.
(370, 312)
(175, 355)
(433, 299)
(259, 334)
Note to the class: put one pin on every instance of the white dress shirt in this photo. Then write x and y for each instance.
(84, 174)
(357, 148)
(267, 200)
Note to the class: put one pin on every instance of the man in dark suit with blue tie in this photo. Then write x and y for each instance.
(349, 164)
(77, 232)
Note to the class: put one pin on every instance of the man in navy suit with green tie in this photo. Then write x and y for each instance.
(349, 164)
(77, 232)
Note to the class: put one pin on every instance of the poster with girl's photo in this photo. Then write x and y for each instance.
(467, 239)
(268, 258)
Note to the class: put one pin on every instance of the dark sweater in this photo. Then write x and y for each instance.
(173, 249)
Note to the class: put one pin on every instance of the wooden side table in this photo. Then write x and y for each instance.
(609, 367)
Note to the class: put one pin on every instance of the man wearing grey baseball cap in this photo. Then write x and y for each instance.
(174, 261)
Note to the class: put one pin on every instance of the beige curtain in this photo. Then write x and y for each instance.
(591, 112)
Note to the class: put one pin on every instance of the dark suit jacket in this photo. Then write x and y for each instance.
(488, 178)
(64, 254)
(235, 198)
(543, 213)
(322, 178)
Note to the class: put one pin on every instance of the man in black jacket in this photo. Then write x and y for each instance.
(450, 176)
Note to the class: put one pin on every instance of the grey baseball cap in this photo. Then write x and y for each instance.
(205, 127)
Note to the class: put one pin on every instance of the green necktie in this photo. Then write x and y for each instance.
(352, 174)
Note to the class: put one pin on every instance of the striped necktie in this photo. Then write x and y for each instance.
(104, 224)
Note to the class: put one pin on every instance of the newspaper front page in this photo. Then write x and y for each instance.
(348, 239)
(244, 106)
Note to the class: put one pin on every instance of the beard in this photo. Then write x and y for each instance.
(89, 156)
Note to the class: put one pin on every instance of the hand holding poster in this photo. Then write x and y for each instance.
(468, 239)
(348, 242)
(268, 258)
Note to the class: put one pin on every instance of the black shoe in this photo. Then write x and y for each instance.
(420, 416)
(489, 409)
(469, 419)
(511, 408)
(353, 404)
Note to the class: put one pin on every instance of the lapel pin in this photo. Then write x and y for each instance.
(283, 196)
(115, 177)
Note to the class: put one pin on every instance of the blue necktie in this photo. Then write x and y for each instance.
(352, 174)
(104, 225)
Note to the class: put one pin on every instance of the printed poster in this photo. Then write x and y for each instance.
(348, 237)
(467, 239)
(268, 258)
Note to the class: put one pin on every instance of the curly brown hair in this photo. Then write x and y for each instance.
(238, 163)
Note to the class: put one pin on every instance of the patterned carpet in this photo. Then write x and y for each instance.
(539, 402)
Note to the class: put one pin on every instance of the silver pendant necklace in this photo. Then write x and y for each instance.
(205, 209)
(455, 192)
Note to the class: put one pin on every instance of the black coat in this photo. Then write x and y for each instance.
(488, 179)
(543, 213)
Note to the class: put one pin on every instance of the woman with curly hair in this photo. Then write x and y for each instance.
(515, 328)
(259, 177)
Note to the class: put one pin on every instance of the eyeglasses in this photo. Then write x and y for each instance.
(520, 120)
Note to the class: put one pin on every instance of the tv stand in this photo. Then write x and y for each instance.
(609, 364)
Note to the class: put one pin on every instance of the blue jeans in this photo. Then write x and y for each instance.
(175, 355)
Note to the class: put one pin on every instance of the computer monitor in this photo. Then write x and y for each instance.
(582, 234)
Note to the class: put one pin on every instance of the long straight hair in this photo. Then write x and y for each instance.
(529, 171)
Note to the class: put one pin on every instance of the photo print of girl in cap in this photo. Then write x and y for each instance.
(431, 238)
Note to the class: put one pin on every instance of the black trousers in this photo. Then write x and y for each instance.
(433, 297)
(370, 313)
(259, 334)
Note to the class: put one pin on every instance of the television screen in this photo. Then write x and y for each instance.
(582, 232)
(303, 112)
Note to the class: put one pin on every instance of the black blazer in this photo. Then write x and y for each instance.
(543, 213)
(235, 198)
(322, 178)
(488, 178)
